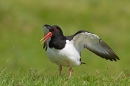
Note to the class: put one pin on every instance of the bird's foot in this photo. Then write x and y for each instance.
(70, 70)
(60, 69)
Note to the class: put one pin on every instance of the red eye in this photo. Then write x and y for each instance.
(54, 29)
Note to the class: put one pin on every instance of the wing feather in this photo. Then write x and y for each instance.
(84, 39)
(47, 41)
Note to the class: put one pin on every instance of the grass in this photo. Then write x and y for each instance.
(21, 29)
(35, 78)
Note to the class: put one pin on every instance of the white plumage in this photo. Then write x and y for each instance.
(68, 56)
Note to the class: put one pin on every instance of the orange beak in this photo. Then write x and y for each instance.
(47, 36)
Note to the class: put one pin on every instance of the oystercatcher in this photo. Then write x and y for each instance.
(66, 50)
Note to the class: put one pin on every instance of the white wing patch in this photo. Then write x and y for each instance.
(83, 39)
(47, 41)
(95, 44)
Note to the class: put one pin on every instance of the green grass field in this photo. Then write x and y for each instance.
(34, 78)
(21, 24)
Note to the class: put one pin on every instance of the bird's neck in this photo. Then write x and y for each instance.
(58, 36)
(57, 42)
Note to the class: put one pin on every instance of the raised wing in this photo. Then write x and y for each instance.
(83, 39)
(47, 41)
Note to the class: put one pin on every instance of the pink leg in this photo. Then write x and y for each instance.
(70, 71)
(60, 69)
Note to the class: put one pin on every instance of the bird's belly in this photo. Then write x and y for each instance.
(64, 57)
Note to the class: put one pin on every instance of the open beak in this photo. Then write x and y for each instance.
(47, 36)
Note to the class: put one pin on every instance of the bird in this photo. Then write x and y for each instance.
(66, 50)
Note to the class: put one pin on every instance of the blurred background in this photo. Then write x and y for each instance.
(21, 24)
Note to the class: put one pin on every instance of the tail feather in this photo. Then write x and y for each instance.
(83, 63)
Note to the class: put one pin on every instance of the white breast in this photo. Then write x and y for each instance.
(68, 56)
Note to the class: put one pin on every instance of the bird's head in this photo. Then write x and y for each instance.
(50, 31)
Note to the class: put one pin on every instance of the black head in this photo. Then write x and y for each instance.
(54, 31)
